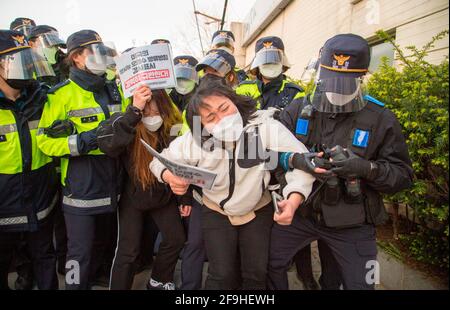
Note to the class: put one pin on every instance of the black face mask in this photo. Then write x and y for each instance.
(19, 84)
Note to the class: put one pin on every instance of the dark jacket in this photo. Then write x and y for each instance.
(27, 196)
(115, 138)
(386, 147)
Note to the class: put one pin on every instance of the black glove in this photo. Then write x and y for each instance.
(308, 162)
(60, 129)
(87, 141)
(354, 166)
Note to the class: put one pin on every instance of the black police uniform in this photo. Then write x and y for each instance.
(278, 92)
(29, 196)
(373, 133)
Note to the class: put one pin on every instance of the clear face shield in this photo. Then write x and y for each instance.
(217, 63)
(269, 56)
(186, 72)
(26, 64)
(338, 95)
(220, 42)
(100, 57)
(187, 78)
(50, 43)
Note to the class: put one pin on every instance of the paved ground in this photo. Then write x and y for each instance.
(141, 279)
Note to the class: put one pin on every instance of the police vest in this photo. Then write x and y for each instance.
(91, 182)
(27, 176)
(286, 93)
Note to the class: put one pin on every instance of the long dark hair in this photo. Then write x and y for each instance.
(210, 86)
(140, 157)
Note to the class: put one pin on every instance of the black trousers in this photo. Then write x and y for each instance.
(229, 245)
(89, 239)
(131, 229)
(40, 247)
(329, 278)
(60, 236)
(354, 250)
(193, 255)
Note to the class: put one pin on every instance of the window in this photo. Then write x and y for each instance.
(380, 49)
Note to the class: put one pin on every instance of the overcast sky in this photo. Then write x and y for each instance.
(127, 23)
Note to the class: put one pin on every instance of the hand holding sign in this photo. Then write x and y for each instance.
(178, 185)
(141, 96)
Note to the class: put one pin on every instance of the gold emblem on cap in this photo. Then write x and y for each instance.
(19, 39)
(267, 44)
(26, 22)
(212, 53)
(98, 37)
(223, 34)
(183, 61)
(161, 41)
(341, 59)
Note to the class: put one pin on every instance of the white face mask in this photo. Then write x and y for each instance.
(271, 71)
(184, 86)
(96, 68)
(152, 123)
(229, 128)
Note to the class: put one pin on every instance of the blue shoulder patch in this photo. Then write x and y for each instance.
(361, 138)
(302, 127)
(373, 100)
(58, 86)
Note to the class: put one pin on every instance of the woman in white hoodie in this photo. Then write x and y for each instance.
(230, 138)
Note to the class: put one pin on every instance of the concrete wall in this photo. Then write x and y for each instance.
(304, 25)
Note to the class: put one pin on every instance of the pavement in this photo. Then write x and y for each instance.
(141, 279)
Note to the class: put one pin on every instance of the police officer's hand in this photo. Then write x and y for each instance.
(178, 185)
(185, 211)
(60, 128)
(353, 166)
(141, 96)
(87, 141)
(305, 162)
(287, 209)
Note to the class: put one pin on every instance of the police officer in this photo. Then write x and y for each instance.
(22, 257)
(359, 153)
(219, 63)
(271, 88)
(23, 25)
(224, 39)
(187, 79)
(47, 38)
(27, 176)
(90, 179)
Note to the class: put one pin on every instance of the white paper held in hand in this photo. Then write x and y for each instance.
(193, 175)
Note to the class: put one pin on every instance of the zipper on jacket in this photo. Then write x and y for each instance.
(232, 172)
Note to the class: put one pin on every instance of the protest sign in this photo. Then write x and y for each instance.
(193, 175)
(151, 65)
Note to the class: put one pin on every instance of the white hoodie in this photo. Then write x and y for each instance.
(247, 173)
